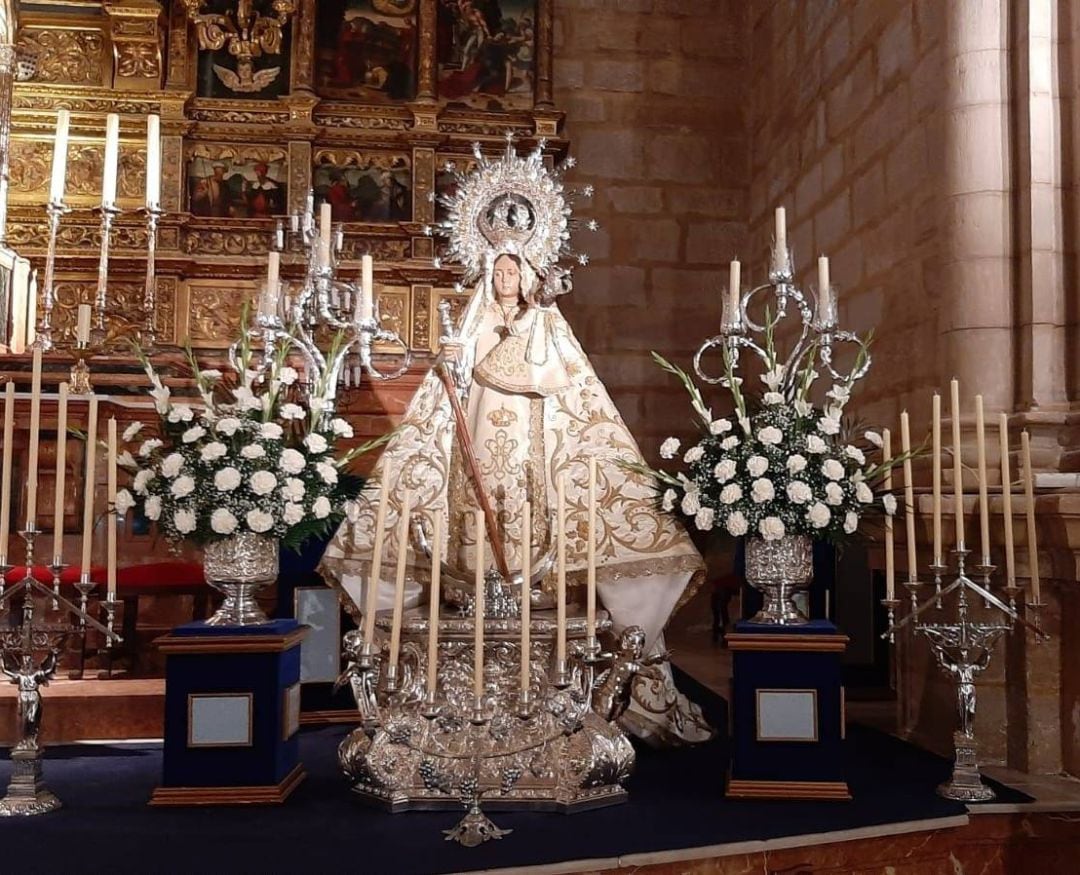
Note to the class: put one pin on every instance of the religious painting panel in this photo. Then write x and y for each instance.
(486, 53)
(446, 181)
(244, 49)
(364, 186)
(237, 181)
(366, 49)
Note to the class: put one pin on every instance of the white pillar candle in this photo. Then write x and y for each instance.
(89, 484)
(590, 596)
(82, 331)
(984, 499)
(1006, 500)
(59, 159)
(909, 497)
(399, 579)
(1029, 496)
(958, 470)
(560, 593)
(325, 224)
(526, 608)
(31, 309)
(824, 291)
(780, 234)
(433, 604)
(372, 596)
(478, 611)
(936, 457)
(5, 470)
(890, 557)
(114, 517)
(153, 162)
(61, 472)
(268, 306)
(734, 289)
(35, 441)
(111, 161)
(367, 295)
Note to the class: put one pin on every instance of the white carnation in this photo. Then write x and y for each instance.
(819, 515)
(223, 521)
(227, 479)
(874, 438)
(770, 436)
(293, 513)
(328, 473)
(772, 528)
(263, 482)
(729, 443)
(316, 443)
(193, 434)
(182, 486)
(851, 522)
(259, 521)
(668, 503)
(172, 465)
(834, 494)
(131, 431)
(889, 502)
(253, 451)
(720, 426)
(855, 453)
(863, 493)
(762, 490)
(724, 470)
(691, 503)
(292, 411)
(832, 469)
(152, 508)
(228, 425)
(799, 492)
(828, 425)
(181, 413)
(292, 461)
(184, 522)
(736, 524)
(271, 431)
(814, 444)
(293, 490)
(288, 375)
(694, 454)
(731, 493)
(757, 465)
(213, 451)
(148, 446)
(704, 519)
(341, 428)
(321, 507)
(125, 501)
(796, 463)
(773, 398)
(142, 480)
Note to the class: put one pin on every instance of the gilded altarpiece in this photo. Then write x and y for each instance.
(370, 99)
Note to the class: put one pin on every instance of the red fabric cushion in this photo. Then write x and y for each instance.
(160, 574)
(69, 575)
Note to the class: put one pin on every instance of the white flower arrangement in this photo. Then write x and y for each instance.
(260, 457)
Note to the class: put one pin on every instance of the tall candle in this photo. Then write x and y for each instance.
(35, 441)
(824, 291)
(61, 473)
(781, 237)
(958, 469)
(372, 596)
(936, 432)
(399, 580)
(5, 470)
(590, 603)
(1006, 500)
(82, 331)
(31, 309)
(367, 296)
(984, 500)
(273, 272)
(89, 484)
(890, 558)
(111, 161)
(59, 159)
(560, 592)
(526, 608)
(113, 515)
(433, 604)
(1029, 496)
(153, 162)
(734, 290)
(325, 224)
(909, 498)
(478, 611)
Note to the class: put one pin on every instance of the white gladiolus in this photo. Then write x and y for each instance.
(774, 377)
(172, 465)
(131, 431)
(341, 428)
(832, 469)
(724, 470)
(126, 460)
(292, 461)
(851, 522)
(889, 502)
(149, 445)
(160, 394)
(288, 375)
(253, 451)
(874, 438)
(193, 434)
(182, 486)
(321, 507)
(704, 519)
(263, 482)
(293, 490)
(839, 394)
(796, 463)
(327, 472)
(125, 501)
(184, 521)
(773, 398)
(770, 436)
(316, 443)
(736, 524)
(863, 493)
(669, 448)
(152, 508)
(803, 408)
(691, 503)
(855, 453)
(271, 431)
(828, 424)
(227, 479)
(731, 493)
(292, 411)
(757, 465)
(744, 424)
(223, 521)
(814, 444)
(213, 451)
(720, 426)
(729, 443)
(228, 425)
(762, 490)
(293, 513)
(210, 374)
(772, 528)
(142, 480)
(668, 503)
(259, 521)
(181, 413)
(819, 515)
(799, 492)
(834, 494)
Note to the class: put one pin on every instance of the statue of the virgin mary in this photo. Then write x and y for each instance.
(534, 412)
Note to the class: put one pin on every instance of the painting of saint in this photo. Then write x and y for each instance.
(253, 63)
(486, 50)
(375, 188)
(238, 187)
(367, 49)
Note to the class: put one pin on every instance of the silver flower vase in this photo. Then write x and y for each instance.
(238, 567)
(778, 570)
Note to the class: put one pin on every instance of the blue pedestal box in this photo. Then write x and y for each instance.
(232, 712)
(787, 709)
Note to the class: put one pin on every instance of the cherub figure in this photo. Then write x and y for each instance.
(362, 680)
(29, 681)
(612, 694)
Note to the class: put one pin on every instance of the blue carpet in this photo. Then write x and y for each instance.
(676, 801)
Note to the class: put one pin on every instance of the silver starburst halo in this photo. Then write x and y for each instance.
(509, 204)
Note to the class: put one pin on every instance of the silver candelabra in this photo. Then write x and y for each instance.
(149, 330)
(55, 210)
(99, 333)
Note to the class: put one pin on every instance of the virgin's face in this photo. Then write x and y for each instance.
(507, 278)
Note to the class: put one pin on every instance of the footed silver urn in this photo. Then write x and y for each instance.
(778, 570)
(238, 567)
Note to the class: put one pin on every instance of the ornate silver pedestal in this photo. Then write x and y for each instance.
(778, 570)
(239, 567)
(27, 793)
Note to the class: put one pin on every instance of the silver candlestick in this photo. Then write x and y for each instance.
(149, 331)
(55, 211)
(99, 332)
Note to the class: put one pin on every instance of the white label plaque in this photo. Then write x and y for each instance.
(219, 720)
(787, 715)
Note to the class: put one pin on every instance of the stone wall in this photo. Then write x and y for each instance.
(655, 97)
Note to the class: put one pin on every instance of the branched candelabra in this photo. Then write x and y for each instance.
(55, 210)
(149, 330)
